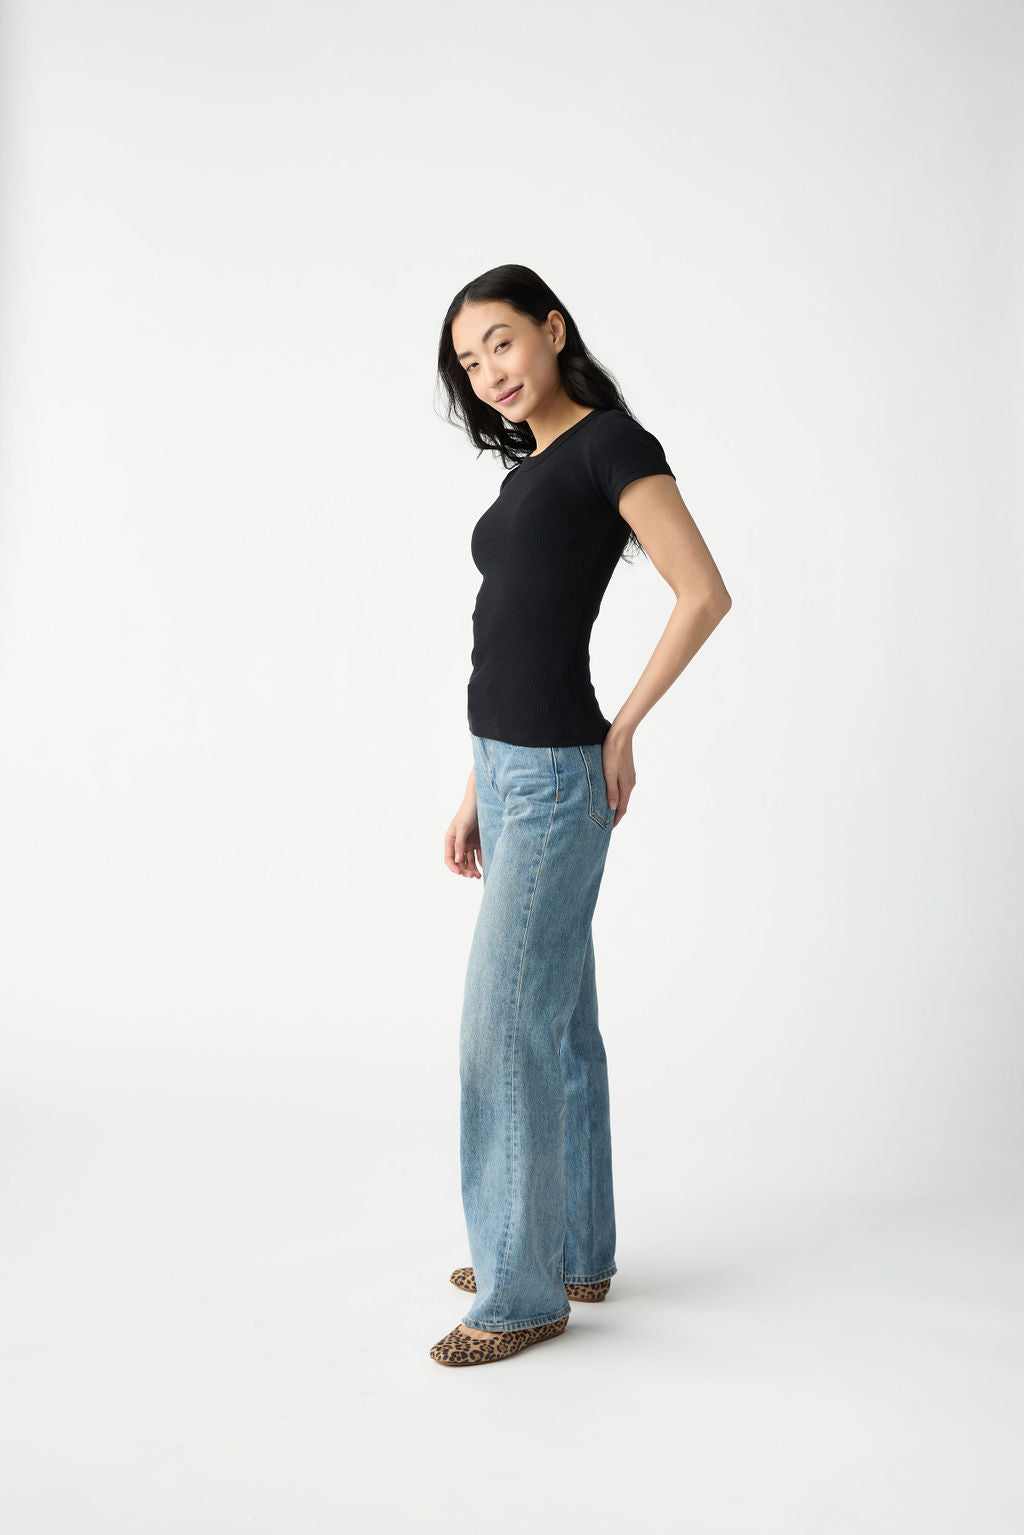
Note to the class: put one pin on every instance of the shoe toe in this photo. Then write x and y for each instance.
(458, 1348)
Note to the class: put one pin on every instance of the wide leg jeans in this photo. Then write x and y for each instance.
(535, 1137)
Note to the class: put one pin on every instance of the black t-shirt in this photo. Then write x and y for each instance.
(546, 549)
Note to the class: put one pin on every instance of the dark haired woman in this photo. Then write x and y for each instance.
(551, 778)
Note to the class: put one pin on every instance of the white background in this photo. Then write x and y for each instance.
(235, 599)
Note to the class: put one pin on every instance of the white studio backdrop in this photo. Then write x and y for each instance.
(236, 588)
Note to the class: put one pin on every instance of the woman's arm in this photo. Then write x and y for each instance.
(659, 517)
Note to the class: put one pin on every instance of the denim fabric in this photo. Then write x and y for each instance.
(535, 1137)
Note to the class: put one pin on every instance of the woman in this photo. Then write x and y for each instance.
(551, 779)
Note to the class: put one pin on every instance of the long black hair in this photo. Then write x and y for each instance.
(583, 377)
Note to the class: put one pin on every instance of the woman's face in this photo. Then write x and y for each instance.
(503, 350)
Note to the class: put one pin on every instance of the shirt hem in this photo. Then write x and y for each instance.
(493, 730)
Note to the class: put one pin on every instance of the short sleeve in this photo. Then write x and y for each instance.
(623, 451)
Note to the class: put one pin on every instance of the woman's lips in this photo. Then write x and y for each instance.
(504, 398)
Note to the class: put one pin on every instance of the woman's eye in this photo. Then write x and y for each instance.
(472, 365)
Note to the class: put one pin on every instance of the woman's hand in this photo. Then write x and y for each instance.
(462, 839)
(619, 772)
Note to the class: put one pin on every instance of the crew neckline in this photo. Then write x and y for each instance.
(556, 442)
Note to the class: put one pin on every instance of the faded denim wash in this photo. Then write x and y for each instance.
(535, 1137)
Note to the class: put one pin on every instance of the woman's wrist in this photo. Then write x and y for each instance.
(620, 735)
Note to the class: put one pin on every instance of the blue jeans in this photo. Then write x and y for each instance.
(535, 1137)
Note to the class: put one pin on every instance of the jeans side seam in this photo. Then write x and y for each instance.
(512, 1063)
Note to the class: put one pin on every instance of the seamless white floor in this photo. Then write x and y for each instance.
(218, 1308)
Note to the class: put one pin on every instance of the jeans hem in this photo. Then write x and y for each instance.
(590, 1278)
(486, 1325)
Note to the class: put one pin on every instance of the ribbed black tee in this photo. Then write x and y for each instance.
(546, 549)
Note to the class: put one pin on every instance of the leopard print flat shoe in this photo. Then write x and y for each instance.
(464, 1279)
(458, 1348)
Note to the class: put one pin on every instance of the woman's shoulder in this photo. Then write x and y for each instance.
(617, 425)
(621, 449)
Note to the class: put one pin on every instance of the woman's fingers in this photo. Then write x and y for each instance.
(467, 864)
(471, 854)
(459, 851)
